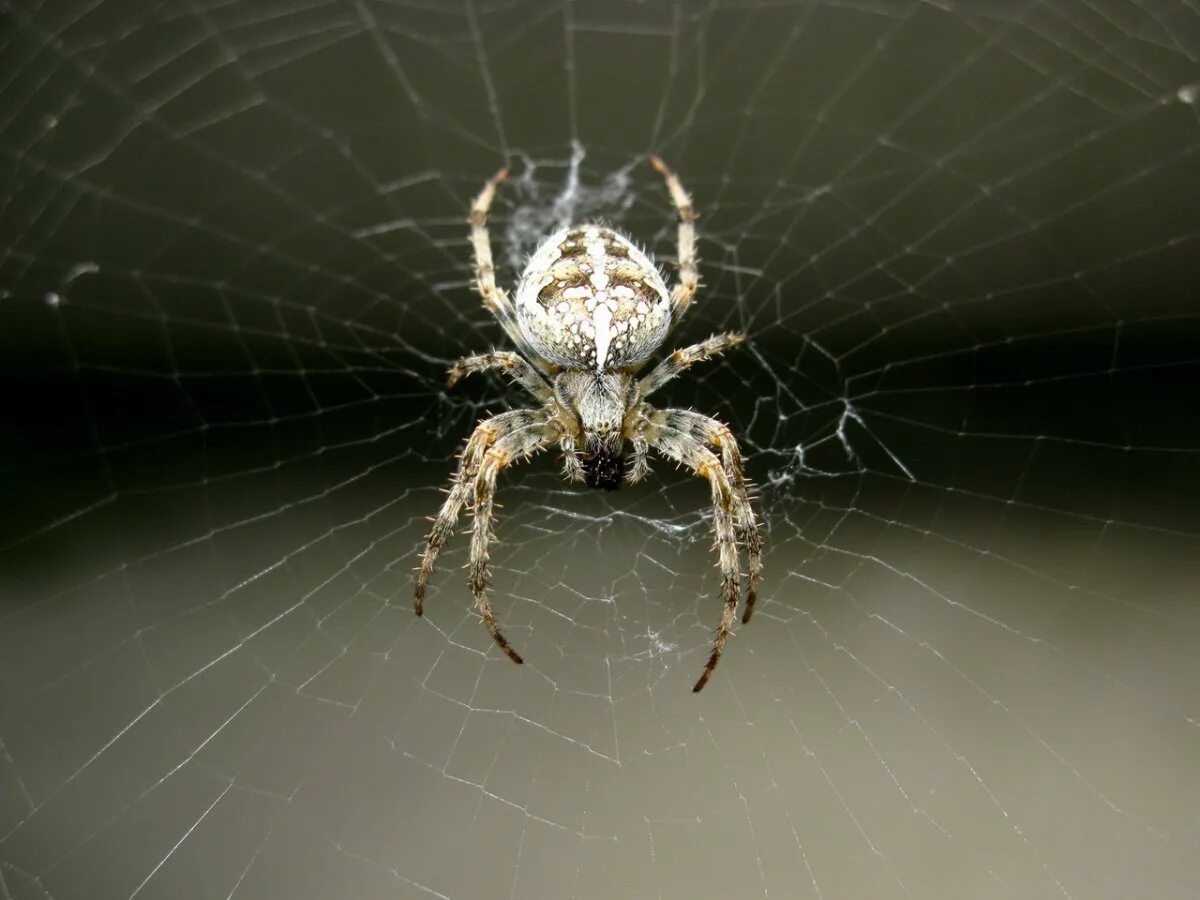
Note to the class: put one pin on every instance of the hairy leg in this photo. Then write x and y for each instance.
(513, 364)
(681, 360)
(718, 436)
(689, 278)
(683, 448)
(572, 469)
(495, 300)
(641, 464)
(463, 484)
(516, 445)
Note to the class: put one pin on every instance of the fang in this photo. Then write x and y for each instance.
(604, 471)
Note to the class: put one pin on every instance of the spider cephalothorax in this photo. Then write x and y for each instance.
(589, 312)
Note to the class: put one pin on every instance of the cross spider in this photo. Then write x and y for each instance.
(590, 310)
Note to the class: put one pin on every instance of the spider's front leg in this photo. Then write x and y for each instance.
(682, 447)
(572, 469)
(485, 434)
(717, 436)
(518, 444)
(640, 465)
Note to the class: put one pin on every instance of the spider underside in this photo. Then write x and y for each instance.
(590, 310)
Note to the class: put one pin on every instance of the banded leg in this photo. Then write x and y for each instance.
(717, 435)
(517, 445)
(572, 469)
(513, 364)
(689, 278)
(683, 448)
(461, 488)
(641, 464)
(495, 300)
(680, 360)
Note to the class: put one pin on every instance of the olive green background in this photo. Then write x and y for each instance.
(233, 268)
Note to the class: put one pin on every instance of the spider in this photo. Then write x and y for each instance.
(590, 310)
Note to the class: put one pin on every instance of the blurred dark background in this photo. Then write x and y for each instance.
(965, 242)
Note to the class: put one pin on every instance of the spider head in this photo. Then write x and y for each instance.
(604, 471)
(598, 402)
(603, 461)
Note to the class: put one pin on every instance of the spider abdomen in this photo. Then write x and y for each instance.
(590, 299)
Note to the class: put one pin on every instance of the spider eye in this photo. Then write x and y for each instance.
(604, 470)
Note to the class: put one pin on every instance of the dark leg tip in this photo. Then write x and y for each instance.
(751, 599)
(504, 645)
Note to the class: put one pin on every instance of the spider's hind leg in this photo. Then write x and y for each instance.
(689, 278)
(495, 299)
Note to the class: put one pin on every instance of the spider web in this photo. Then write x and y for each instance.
(963, 239)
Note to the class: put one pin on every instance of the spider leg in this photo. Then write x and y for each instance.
(519, 444)
(495, 299)
(641, 464)
(513, 364)
(689, 278)
(485, 434)
(680, 360)
(682, 447)
(572, 469)
(718, 436)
